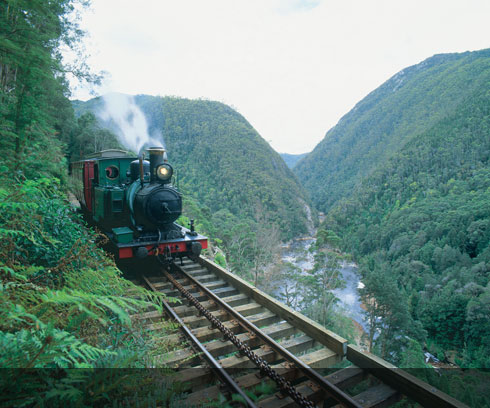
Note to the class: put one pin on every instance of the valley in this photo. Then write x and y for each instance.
(427, 159)
(379, 237)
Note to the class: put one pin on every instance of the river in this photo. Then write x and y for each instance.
(297, 253)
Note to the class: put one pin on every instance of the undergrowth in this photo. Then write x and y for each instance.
(66, 335)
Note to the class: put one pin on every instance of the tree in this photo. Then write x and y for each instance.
(389, 320)
(239, 246)
(265, 243)
(89, 137)
(477, 331)
(327, 238)
(292, 288)
(265, 246)
(318, 298)
(412, 356)
(33, 85)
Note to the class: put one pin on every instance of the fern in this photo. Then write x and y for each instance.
(95, 306)
(64, 310)
(47, 347)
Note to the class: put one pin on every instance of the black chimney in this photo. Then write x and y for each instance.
(156, 158)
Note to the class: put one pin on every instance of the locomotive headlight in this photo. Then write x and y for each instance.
(164, 172)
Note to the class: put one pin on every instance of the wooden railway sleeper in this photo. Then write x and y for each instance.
(196, 344)
(327, 386)
(285, 386)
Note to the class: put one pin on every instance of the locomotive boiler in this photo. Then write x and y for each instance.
(134, 203)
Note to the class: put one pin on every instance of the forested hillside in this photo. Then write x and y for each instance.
(420, 228)
(233, 181)
(409, 103)
(63, 302)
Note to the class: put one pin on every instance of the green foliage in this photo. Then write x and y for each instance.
(88, 137)
(50, 261)
(422, 221)
(62, 303)
(381, 124)
(387, 313)
(35, 115)
(46, 347)
(114, 387)
(327, 238)
(317, 297)
(220, 259)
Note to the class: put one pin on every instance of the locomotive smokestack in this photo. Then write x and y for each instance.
(156, 158)
(142, 175)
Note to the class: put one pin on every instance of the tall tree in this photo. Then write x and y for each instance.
(89, 137)
(33, 85)
(390, 325)
(318, 298)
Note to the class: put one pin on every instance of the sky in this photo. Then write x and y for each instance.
(292, 68)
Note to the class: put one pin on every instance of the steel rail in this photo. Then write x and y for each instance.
(223, 375)
(324, 384)
(286, 387)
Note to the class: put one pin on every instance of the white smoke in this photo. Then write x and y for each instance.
(129, 122)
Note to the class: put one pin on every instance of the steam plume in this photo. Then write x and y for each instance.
(129, 122)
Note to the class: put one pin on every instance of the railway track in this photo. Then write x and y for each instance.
(237, 337)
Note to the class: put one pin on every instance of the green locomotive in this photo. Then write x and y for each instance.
(134, 203)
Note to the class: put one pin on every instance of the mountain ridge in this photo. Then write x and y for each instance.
(292, 159)
(415, 212)
(387, 118)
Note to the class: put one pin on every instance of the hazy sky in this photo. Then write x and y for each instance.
(293, 68)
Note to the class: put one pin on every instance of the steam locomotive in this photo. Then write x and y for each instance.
(134, 203)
